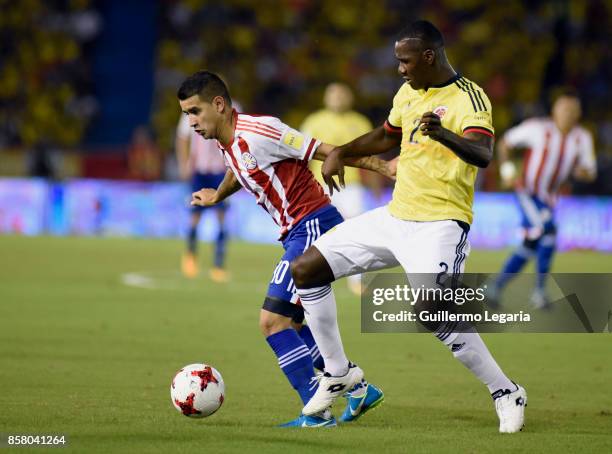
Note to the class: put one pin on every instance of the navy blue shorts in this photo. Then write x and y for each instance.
(207, 180)
(537, 217)
(281, 290)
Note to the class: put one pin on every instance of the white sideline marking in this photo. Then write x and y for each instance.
(174, 280)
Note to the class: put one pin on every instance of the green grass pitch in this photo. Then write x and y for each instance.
(83, 354)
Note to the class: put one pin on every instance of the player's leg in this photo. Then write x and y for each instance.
(545, 253)
(218, 273)
(351, 247)
(189, 263)
(533, 226)
(280, 312)
(442, 247)
(350, 204)
(306, 334)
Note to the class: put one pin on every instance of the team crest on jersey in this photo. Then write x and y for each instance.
(440, 111)
(249, 161)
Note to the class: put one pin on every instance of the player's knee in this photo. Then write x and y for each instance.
(301, 271)
(429, 308)
(311, 270)
(531, 243)
(271, 323)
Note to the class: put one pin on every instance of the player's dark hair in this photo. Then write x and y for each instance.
(205, 84)
(564, 92)
(425, 31)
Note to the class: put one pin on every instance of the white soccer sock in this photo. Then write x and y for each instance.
(320, 311)
(468, 347)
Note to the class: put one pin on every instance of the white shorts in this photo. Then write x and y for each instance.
(376, 240)
(349, 201)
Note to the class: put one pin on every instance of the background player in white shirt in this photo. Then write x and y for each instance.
(201, 162)
(556, 148)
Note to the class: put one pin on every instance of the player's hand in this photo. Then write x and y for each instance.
(204, 197)
(392, 168)
(431, 126)
(333, 165)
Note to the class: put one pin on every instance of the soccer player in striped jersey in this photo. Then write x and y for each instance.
(557, 148)
(270, 160)
(443, 124)
(200, 161)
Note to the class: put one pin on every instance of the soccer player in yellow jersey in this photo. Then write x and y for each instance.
(338, 124)
(443, 122)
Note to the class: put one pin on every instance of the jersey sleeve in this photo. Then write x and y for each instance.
(182, 129)
(585, 159)
(393, 124)
(522, 135)
(478, 115)
(294, 144)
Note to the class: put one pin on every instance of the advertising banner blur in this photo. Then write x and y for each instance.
(124, 208)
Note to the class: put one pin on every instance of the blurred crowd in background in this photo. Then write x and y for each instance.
(278, 56)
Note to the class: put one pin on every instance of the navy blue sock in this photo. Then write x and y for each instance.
(192, 240)
(317, 359)
(220, 249)
(514, 265)
(295, 361)
(546, 250)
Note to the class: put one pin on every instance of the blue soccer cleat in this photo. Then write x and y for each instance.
(324, 419)
(357, 406)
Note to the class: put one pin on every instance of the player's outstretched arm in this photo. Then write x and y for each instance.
(368, 162)
(473, 148)
(208, 196)
(374, 142)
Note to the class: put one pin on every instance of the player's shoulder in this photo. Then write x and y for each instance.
(404, 92)
(260, 120)
(467, 91)
(318, 115)
(260, 127)
(537, 123)
(582, 131)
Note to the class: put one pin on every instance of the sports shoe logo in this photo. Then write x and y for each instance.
(336, 387)
(321, 424)
(520, 402)
(457, 347)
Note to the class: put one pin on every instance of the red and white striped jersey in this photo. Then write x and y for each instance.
(551, 156)
(204, 154)
(270, 160)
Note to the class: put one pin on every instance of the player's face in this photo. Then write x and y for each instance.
(413, 67)
(566, 112)
(204, 117)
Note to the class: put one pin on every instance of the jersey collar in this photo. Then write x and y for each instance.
(450, 81)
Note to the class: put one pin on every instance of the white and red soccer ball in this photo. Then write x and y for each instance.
(197, 390)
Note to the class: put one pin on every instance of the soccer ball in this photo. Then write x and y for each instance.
(197, 390)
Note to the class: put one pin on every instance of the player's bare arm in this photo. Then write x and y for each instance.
(367, 162)
(209, 196)
(473, 148)
(182, 156)
(374, 142)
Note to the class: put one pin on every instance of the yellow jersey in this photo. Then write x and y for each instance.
(335, 128)
(433, 183)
